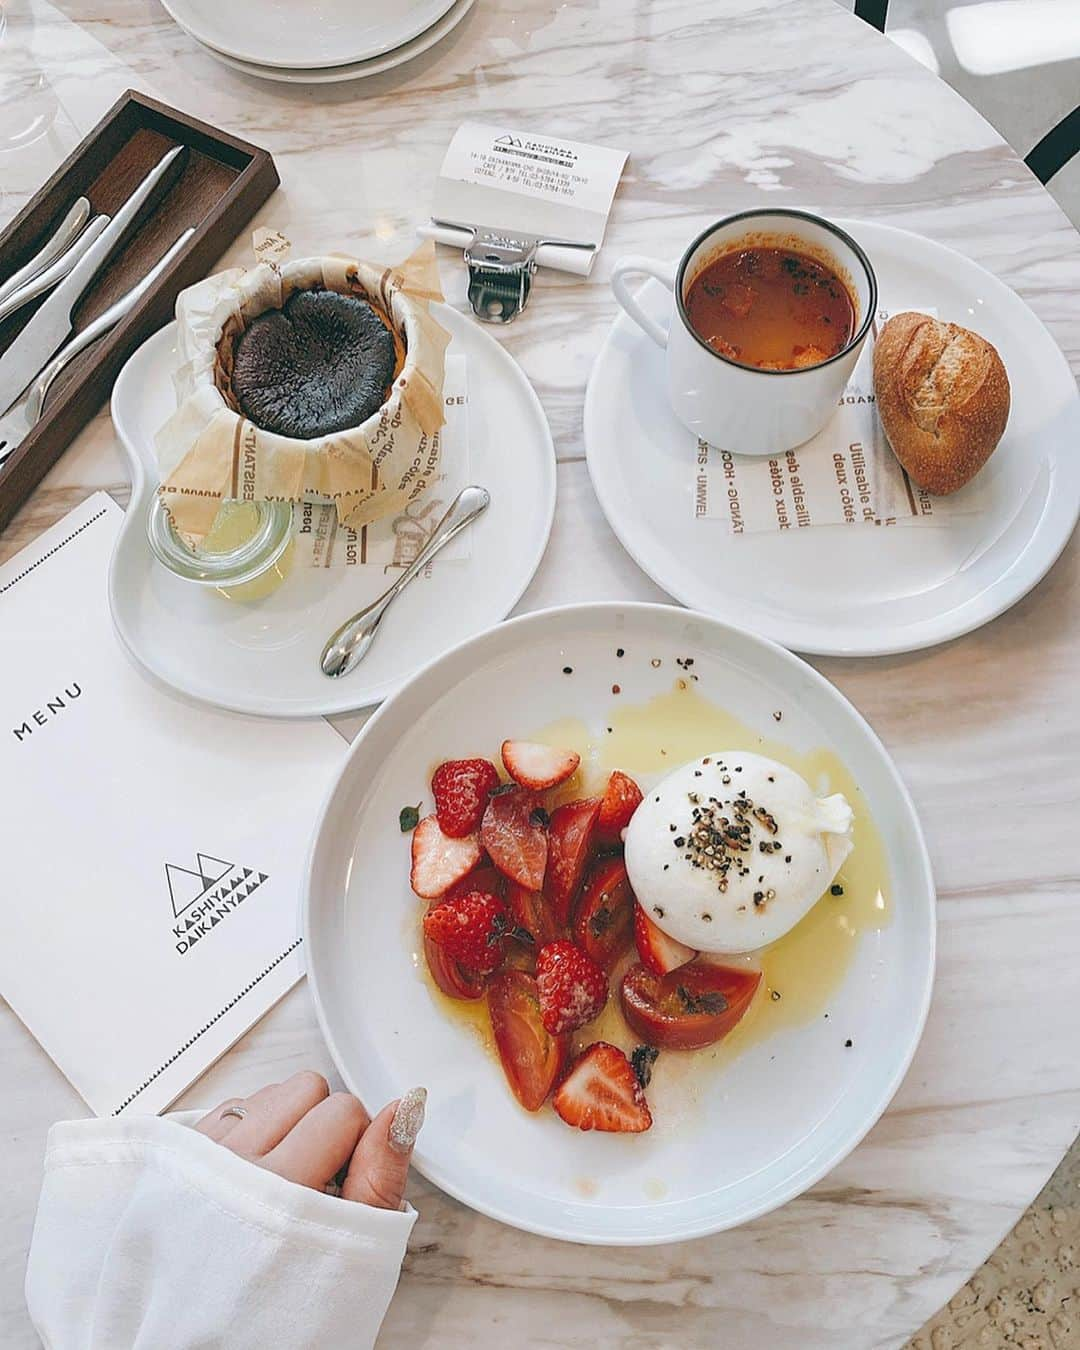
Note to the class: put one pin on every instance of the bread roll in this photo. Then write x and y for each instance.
(943, 399)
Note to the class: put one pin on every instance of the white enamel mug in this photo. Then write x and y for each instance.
(736, 407)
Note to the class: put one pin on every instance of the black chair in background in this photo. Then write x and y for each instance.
(1056, 148)
(874, 12)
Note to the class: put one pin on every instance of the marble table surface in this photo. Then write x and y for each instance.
(724, 104)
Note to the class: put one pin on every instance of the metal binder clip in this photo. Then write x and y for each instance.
(501, 267)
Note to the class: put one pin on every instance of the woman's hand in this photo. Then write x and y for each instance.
(307, 1134)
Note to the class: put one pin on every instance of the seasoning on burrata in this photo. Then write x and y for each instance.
(730, 851)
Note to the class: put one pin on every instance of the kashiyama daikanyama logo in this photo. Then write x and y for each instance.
(204, 896)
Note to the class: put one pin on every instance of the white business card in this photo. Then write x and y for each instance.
(507, 179)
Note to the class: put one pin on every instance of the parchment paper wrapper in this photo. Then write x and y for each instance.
(208, 450)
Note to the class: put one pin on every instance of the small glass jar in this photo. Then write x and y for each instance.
(246, 555)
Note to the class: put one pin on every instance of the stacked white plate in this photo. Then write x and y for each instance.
(323, 42)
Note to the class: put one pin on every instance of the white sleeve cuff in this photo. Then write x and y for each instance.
(149, 1234)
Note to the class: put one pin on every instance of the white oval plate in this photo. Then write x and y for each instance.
(358, 70)
(290, 35)
(849, 590)
(263, 658)
(768, 1126)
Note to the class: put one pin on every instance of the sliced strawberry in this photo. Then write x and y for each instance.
(470, 929)
(573, 988)
(621, 799)
(602, 1092)
(538, 766)
(483, 877)
(529, 910)
(532, 1058)
(461, 788)
(450, 975)
(660, 953)
(605, 914)
(438, 861)
(514, 833)
(569, 836)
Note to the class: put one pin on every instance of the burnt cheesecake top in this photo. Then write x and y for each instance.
(322, 363)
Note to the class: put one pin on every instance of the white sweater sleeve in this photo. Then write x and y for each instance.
(152, 1237)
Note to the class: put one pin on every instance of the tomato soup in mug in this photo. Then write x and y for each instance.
(770, 308)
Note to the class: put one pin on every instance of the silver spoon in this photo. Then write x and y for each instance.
(69, 230)
(349, 645)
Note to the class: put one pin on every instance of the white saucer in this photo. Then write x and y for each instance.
(263, 658)
(293, 36)
(850, 590)
(358, 70)
(756, 1131)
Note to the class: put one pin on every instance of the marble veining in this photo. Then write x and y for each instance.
(723, 104)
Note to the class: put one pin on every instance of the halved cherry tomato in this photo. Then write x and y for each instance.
(604, 921)
(529, 910)
(569, 836)
(450, 975)
(513, 833)
(696, 1005)
(532, 1059)
(621, 799)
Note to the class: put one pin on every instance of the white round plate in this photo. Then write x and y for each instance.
(849, 590)
(292, 36)
(263, 658)
(357, 70)
(763, 1129)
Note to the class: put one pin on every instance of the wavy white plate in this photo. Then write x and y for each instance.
(765, 1127)
(850, 590)
(317, 33)
(357, 70)
(263, 657)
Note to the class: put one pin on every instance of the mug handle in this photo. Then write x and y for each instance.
(635, 266)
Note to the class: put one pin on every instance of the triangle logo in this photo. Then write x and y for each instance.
(185, 887)
(210, 868)
(212, 880)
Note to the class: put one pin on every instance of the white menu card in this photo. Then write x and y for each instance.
(152, 848)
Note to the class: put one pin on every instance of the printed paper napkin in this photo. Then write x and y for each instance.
(153, 849)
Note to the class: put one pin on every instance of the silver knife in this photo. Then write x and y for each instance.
(56, 271)
(25, 414)
(52, 323)
(65, 236)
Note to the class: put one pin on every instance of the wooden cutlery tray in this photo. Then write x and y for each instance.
(223, 182)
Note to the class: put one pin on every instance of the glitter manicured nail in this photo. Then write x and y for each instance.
(408, 1119)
